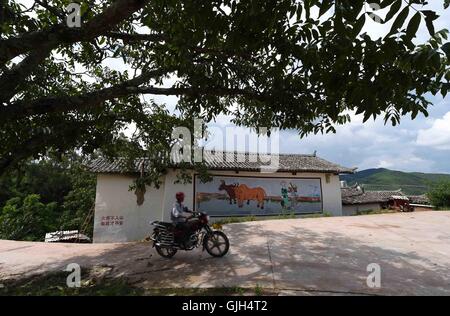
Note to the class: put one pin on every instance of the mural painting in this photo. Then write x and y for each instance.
(239, 196)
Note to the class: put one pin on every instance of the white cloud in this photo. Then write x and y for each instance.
(402, 159)
(385, 164)
(437, 136)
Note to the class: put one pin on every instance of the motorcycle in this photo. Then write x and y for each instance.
(167, 237)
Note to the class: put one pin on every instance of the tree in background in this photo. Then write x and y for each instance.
(48, 178)
(46, 195)
(27, 218)
(79, 202)
(272, 63)
(439, 195)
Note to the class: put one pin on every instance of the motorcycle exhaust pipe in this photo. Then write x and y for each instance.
(161, 244)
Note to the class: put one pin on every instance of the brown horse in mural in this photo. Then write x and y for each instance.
(230, 189)
(243, 192)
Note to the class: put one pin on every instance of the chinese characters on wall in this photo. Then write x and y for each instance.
(112, 221)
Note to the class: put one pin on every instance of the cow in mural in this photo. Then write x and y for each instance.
(243, 192)
(230, 189)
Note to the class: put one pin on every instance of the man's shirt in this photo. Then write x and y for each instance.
(178, 214)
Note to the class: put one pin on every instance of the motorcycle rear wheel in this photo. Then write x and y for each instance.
(216, 244)
(166, 252)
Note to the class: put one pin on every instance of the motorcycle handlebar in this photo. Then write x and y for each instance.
(195, 214)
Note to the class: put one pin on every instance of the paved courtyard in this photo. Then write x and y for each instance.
(296, 256)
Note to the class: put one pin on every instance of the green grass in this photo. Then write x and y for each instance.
(258, 290)
(220, 291)
(373, 212)
(54, 284)
(442, 209)
(324, 214)
(242, 219)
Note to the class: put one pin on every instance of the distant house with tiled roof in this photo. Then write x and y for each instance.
(356, 199)
(419, 199)
(285, 184)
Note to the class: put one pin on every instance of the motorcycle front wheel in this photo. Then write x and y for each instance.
(216, 244)
(166, 252)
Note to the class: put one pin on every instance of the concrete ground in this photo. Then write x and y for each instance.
(292, 257)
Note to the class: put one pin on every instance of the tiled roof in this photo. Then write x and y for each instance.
(419, 199)
(356, 195)
(232, 161)
(66, 236)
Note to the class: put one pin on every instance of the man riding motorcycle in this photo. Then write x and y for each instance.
(180, 215)
(186, 234)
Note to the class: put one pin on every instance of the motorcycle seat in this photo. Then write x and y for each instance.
(165, 224)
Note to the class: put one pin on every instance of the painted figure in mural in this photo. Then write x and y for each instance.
(243, 192)
(284, 195)
(230, 189)
(293, 195)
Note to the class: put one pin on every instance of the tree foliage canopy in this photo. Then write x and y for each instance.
(439, 195)
(274, 63)
(46, 196)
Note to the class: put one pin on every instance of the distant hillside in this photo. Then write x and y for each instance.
(385, 179)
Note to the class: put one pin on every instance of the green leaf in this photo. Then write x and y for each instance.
(445, 89)
(444, 92)
(393, 10)
(400, 20)
(307, 9)
(430, 16)
(386, 3)
(359, 25)
(325, 6)
(413, 25)
(83, 8)
(446, 49)
(375, 17)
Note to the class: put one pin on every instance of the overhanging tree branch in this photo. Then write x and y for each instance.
(41, 44)
(211, 90)
(78, 102)
(135, 37)
(40, 141)
(61, 34)
(96, 98)
(14, 76)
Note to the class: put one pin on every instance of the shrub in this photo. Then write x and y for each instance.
(439, 194)
(27, 218)
(62, 188)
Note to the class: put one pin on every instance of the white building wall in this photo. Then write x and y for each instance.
(113, 199)
(331, 195)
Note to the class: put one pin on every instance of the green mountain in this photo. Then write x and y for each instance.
(384, 179)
